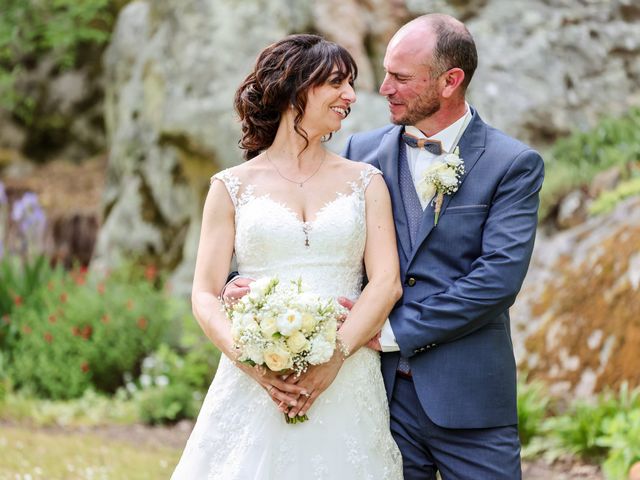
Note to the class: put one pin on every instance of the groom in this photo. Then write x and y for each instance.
(447, 358)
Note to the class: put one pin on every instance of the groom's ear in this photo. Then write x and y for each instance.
(452, 82)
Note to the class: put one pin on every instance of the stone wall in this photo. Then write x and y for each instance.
(546, 66)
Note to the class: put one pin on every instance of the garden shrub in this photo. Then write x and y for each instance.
(79, 331)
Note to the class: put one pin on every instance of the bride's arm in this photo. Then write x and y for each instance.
(384, 288)
(212, 265)
(376, 301)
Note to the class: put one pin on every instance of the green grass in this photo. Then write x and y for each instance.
(56, 455)
(91, 409)
(574, 161)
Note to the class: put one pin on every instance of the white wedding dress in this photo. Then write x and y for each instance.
(240, 434)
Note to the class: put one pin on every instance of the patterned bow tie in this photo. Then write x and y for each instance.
(432, 146)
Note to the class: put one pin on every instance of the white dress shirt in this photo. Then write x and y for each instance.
(419, 160)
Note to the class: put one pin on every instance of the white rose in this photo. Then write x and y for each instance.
(248, 322)
(258, 288)
(309, 322)
(277, 358)
(289, 321)
(321, 351)
(297, 342)
(437, 168)
(268, 326)
(426, 190)
(449, 178)
(330, 332)
(452, 159)
(253, 353)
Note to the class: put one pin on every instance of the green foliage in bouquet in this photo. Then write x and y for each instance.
(575, 160)
(76, 332)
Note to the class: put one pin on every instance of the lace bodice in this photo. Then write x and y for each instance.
(240, 434)
(326, 251)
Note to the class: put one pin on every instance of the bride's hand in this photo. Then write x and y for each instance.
(280, 391)
(315, 381)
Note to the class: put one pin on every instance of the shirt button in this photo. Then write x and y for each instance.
(411, 281)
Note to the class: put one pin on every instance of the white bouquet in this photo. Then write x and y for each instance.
(284, 328)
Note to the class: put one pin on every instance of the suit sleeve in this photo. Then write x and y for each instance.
(495, 277)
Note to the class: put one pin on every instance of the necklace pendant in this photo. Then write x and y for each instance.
(300, 184)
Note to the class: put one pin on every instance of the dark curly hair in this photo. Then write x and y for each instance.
(283, 74)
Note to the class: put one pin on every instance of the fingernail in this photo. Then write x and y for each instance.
(291, 414)
(293, 403)
(303, 392)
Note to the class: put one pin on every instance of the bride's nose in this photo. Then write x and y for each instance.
(349, 94)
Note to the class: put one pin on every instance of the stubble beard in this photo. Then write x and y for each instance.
(424, 107)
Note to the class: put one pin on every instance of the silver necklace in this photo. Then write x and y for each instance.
(299, 183)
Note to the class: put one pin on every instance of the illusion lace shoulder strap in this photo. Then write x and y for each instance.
(231, 182)
(366, 174)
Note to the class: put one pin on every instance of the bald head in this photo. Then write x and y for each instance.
(439, 41)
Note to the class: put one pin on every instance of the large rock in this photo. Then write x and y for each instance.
(172, 70)
(546, 66)
(576, 323)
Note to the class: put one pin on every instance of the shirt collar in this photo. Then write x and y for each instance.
(447, 136)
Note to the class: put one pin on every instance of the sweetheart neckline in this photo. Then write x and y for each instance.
(294, 215)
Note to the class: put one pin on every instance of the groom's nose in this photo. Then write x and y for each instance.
(387, 87)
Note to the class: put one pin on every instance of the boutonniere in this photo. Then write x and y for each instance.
(440, 179)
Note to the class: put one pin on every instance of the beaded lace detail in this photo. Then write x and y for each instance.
(240, 434)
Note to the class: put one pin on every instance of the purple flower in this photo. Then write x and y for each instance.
(30, 219)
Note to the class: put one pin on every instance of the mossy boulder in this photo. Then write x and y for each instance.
(577, 320)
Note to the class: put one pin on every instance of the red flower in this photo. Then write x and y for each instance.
(17, 300)
(83, 270)
(101, 288)
(105, 319)
(84, 366)
(150, 273)
(142, 323)
(48, 337)
(80, 280)
(129, 304)
(26, 329)
(86, 332)
(52, 319)
(6, 319)
(63, 297)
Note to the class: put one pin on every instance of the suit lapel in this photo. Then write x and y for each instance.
(471, 144)
(387, 156)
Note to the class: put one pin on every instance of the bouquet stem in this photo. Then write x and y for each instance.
(296, 419)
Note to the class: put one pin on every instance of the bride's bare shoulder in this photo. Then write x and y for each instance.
(247, 171)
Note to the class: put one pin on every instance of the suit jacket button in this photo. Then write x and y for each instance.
(411, 281)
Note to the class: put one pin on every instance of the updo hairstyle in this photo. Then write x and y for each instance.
(283, 74)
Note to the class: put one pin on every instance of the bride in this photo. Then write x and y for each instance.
(297, 210)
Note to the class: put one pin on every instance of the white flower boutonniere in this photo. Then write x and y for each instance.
(440, 179)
